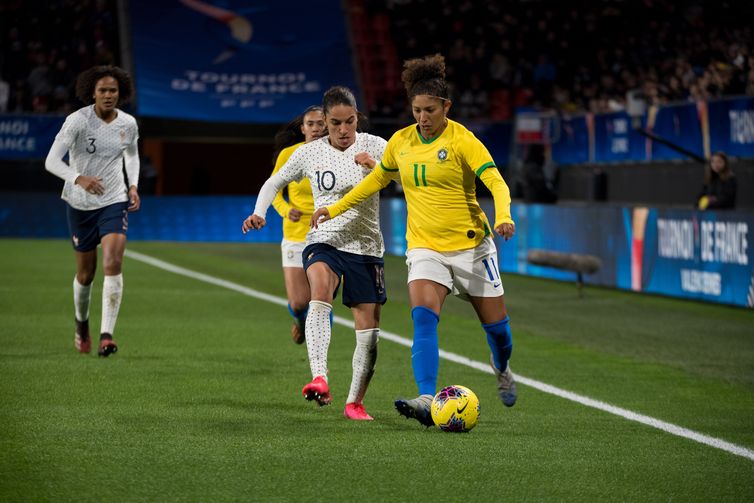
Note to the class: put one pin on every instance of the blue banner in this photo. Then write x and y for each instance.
(237, 61)
(704, 256)
(496, 136)
(572, 146)
(616, 139)
(726, 125)
(680, 253)
(732, 126)
(680, 125)
(27, 136)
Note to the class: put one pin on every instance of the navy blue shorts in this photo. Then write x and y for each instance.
(362, 276)
(88, 227)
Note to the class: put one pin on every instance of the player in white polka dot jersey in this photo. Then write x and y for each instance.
(99, 139)
(350, 248)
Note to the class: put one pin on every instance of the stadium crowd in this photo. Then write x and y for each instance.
(46, 44)
(569, 56)
(575, 56)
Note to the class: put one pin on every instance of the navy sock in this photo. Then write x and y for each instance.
(500, 341)
(301, 315)
(425, 352)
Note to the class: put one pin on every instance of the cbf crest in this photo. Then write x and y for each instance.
(442, 154)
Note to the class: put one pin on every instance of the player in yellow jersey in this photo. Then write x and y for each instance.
(450, 245)
(296, 212)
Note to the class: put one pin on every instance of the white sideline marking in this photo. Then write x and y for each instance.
(483, 367)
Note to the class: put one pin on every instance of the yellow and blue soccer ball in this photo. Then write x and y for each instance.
(455, 408)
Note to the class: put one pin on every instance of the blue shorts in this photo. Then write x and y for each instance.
(88, 227)
(363, 276)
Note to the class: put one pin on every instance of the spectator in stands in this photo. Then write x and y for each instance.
(537, 187)
(40, 39)
(719, 191)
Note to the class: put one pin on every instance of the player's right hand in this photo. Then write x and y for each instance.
(252, 222)
(321, 215)
(366, 160)
(91, 184)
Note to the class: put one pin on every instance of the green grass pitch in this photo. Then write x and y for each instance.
(203, 400)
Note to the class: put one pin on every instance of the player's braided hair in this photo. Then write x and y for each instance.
(88, 79)
(425, 76)
(290, 134)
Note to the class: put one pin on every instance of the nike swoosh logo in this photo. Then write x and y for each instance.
(461, 409)
(496, 285)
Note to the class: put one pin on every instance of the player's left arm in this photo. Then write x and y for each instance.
(131, 160)
(478, 157)
(504, 224)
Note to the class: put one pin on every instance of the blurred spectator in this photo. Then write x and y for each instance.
(38, 42)
(4, 95)
(585, 58)
(537, 186)
(719, 191)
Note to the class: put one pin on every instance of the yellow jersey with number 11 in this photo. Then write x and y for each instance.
(439, 181)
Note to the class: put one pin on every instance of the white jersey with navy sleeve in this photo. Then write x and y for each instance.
(332, 174)
(96, 148)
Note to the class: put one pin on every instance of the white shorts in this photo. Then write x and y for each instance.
(292, 253)
(466, 273)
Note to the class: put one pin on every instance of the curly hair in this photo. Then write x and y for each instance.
(425, 76)
(88, 79)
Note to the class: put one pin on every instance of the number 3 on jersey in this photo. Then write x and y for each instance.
(325, 180)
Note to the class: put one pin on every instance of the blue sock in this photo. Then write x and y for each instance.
(500, 341)
(425, 352)
(301, 315)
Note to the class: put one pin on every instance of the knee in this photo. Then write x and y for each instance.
(112, 265)
(85, 277)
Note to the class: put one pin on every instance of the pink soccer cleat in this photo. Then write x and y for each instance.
(318, 390)
(356, 412)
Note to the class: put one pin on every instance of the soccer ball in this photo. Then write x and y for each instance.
(455, 408)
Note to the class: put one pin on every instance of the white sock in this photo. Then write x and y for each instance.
(318, 331)
(364, 358)
(82, 296)
(112, 293)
